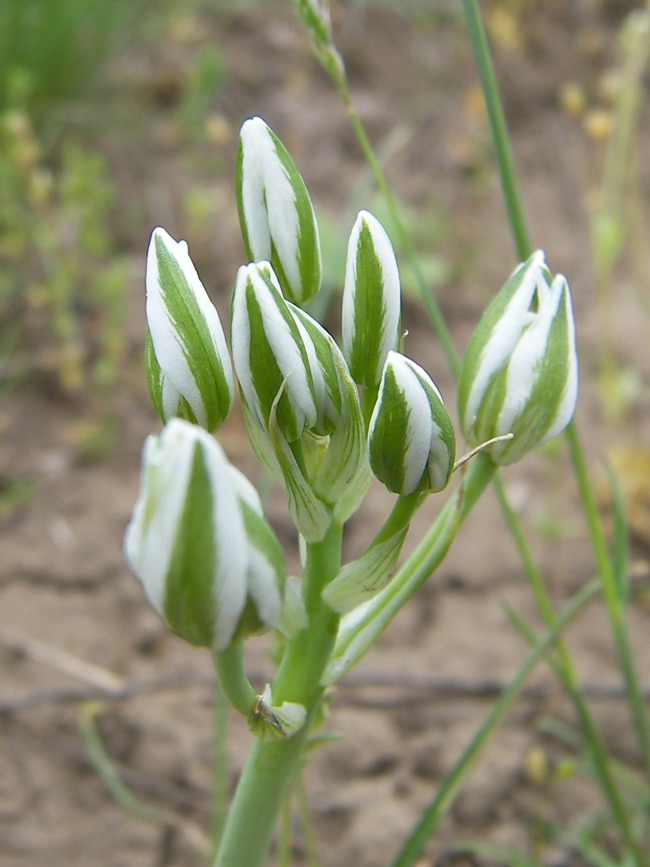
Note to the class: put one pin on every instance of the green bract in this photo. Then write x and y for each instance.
(276, 215)
(269, 723)
(520, 373)
(411, 438)
(188, 367)
(360, 580)
(309, 513)
(270, 358)
(210, 570)
(371, 300)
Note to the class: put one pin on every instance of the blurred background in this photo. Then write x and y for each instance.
(118, 117)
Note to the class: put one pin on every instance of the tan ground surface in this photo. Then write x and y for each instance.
(413, 704)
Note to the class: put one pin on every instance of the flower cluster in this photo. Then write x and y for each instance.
(520, 373)
(198, 541)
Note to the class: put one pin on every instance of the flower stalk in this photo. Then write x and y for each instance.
(270, 767)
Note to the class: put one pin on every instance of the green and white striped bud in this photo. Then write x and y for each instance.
(188, 367)
(342, 473)
(266, 576)
(277, 218)
(520, 373)
(190, 543)
(371, 301)
(270, 358)
(321, 351)
(411, 438)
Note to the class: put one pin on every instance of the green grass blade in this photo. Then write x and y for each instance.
(453, 782)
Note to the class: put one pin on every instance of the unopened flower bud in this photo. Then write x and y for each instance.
(342, 474)
(188, 541)
(188, 367)
(520, 373)
(321, 351)
(371, 300)
(276, 215)
(411, 437)
(270, 358)
(266, 575)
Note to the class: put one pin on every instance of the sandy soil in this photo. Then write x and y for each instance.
(73, 621)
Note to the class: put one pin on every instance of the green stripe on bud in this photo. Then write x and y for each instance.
(321, 349)
(276, 214)
(186, 541)
(341, 470)
(266, 576)
(411, 438)
(308, 512)
(520, 373)
(188, 367)
(344, 474)
(371, 301)
(270, 358)
(197, 541)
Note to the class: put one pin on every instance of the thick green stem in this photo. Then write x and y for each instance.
(270, 767)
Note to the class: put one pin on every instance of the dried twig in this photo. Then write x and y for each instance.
(404, 690)
(67, 663)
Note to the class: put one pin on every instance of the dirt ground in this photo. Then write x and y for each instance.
(73, 622)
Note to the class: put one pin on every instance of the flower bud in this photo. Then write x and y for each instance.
(371, 300)
(188, 541)
(520, 373)
(308, 512)
(321, 350)
(343, 473)
(266, 568)
(270, 358)
(411, 437)
(188, 366)
(276, 215)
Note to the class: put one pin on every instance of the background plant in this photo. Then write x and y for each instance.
(62, 296)
(62, 292)
(190, 542)
(126, 717)
(52, 53)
